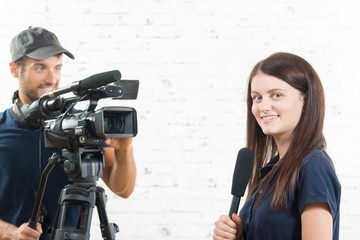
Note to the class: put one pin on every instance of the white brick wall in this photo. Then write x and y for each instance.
(192, 58)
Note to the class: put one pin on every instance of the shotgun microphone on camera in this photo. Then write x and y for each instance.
(92, 82)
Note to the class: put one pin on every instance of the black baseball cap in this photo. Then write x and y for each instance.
(37, 43)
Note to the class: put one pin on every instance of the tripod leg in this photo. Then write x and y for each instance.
(108, 230)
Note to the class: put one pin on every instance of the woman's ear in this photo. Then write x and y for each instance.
(14, 69)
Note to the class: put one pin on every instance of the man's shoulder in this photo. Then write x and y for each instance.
(4, 115)
(7, 118)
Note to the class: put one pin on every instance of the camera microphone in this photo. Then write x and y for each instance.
(242, 171)
(92, 82)
(98, 80)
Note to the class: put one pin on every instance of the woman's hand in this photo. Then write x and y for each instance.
(228, 228)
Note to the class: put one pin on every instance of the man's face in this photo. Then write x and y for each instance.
(38, 77)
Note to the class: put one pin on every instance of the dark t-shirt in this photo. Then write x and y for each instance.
(22, 160)
(317, 183)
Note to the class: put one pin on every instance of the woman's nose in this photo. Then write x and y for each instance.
(265, 105)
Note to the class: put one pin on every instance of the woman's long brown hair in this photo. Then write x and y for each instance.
(308, 134)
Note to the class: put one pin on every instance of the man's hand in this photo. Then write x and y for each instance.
(119, 143)
(24, 232)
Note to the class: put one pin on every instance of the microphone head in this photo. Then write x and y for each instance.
(99, 80)
(243, 168)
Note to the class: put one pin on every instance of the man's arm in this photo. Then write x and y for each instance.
(120, 169)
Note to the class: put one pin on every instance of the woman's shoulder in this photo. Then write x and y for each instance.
(318, 165)
(317, 158)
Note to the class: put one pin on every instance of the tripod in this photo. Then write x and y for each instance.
(83, 167)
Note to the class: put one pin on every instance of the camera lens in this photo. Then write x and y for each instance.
(114, 124)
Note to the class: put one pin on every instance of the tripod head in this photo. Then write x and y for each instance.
(83, 166)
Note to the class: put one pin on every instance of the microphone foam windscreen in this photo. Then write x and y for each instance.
(243, 168)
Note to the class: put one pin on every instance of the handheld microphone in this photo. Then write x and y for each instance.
(243, 168)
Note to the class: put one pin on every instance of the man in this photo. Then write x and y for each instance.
(36, 63)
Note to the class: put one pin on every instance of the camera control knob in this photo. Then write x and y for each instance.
(69, 166)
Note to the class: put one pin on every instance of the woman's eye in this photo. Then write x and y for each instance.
(256, 98)
(276, 95)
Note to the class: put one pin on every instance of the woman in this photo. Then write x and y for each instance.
(295, 195)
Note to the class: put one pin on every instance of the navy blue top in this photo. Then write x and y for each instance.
(317, 182)
(22, 160)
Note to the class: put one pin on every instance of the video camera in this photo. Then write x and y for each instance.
(79, 134)
(68, 128)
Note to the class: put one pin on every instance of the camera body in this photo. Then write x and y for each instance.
(88, 128)
(68, 128)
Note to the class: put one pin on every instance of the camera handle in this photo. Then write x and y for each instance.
(35, 216)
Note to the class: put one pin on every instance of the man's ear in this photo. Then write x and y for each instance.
(14, 69)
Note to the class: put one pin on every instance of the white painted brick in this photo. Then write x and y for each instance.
(193, 59)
